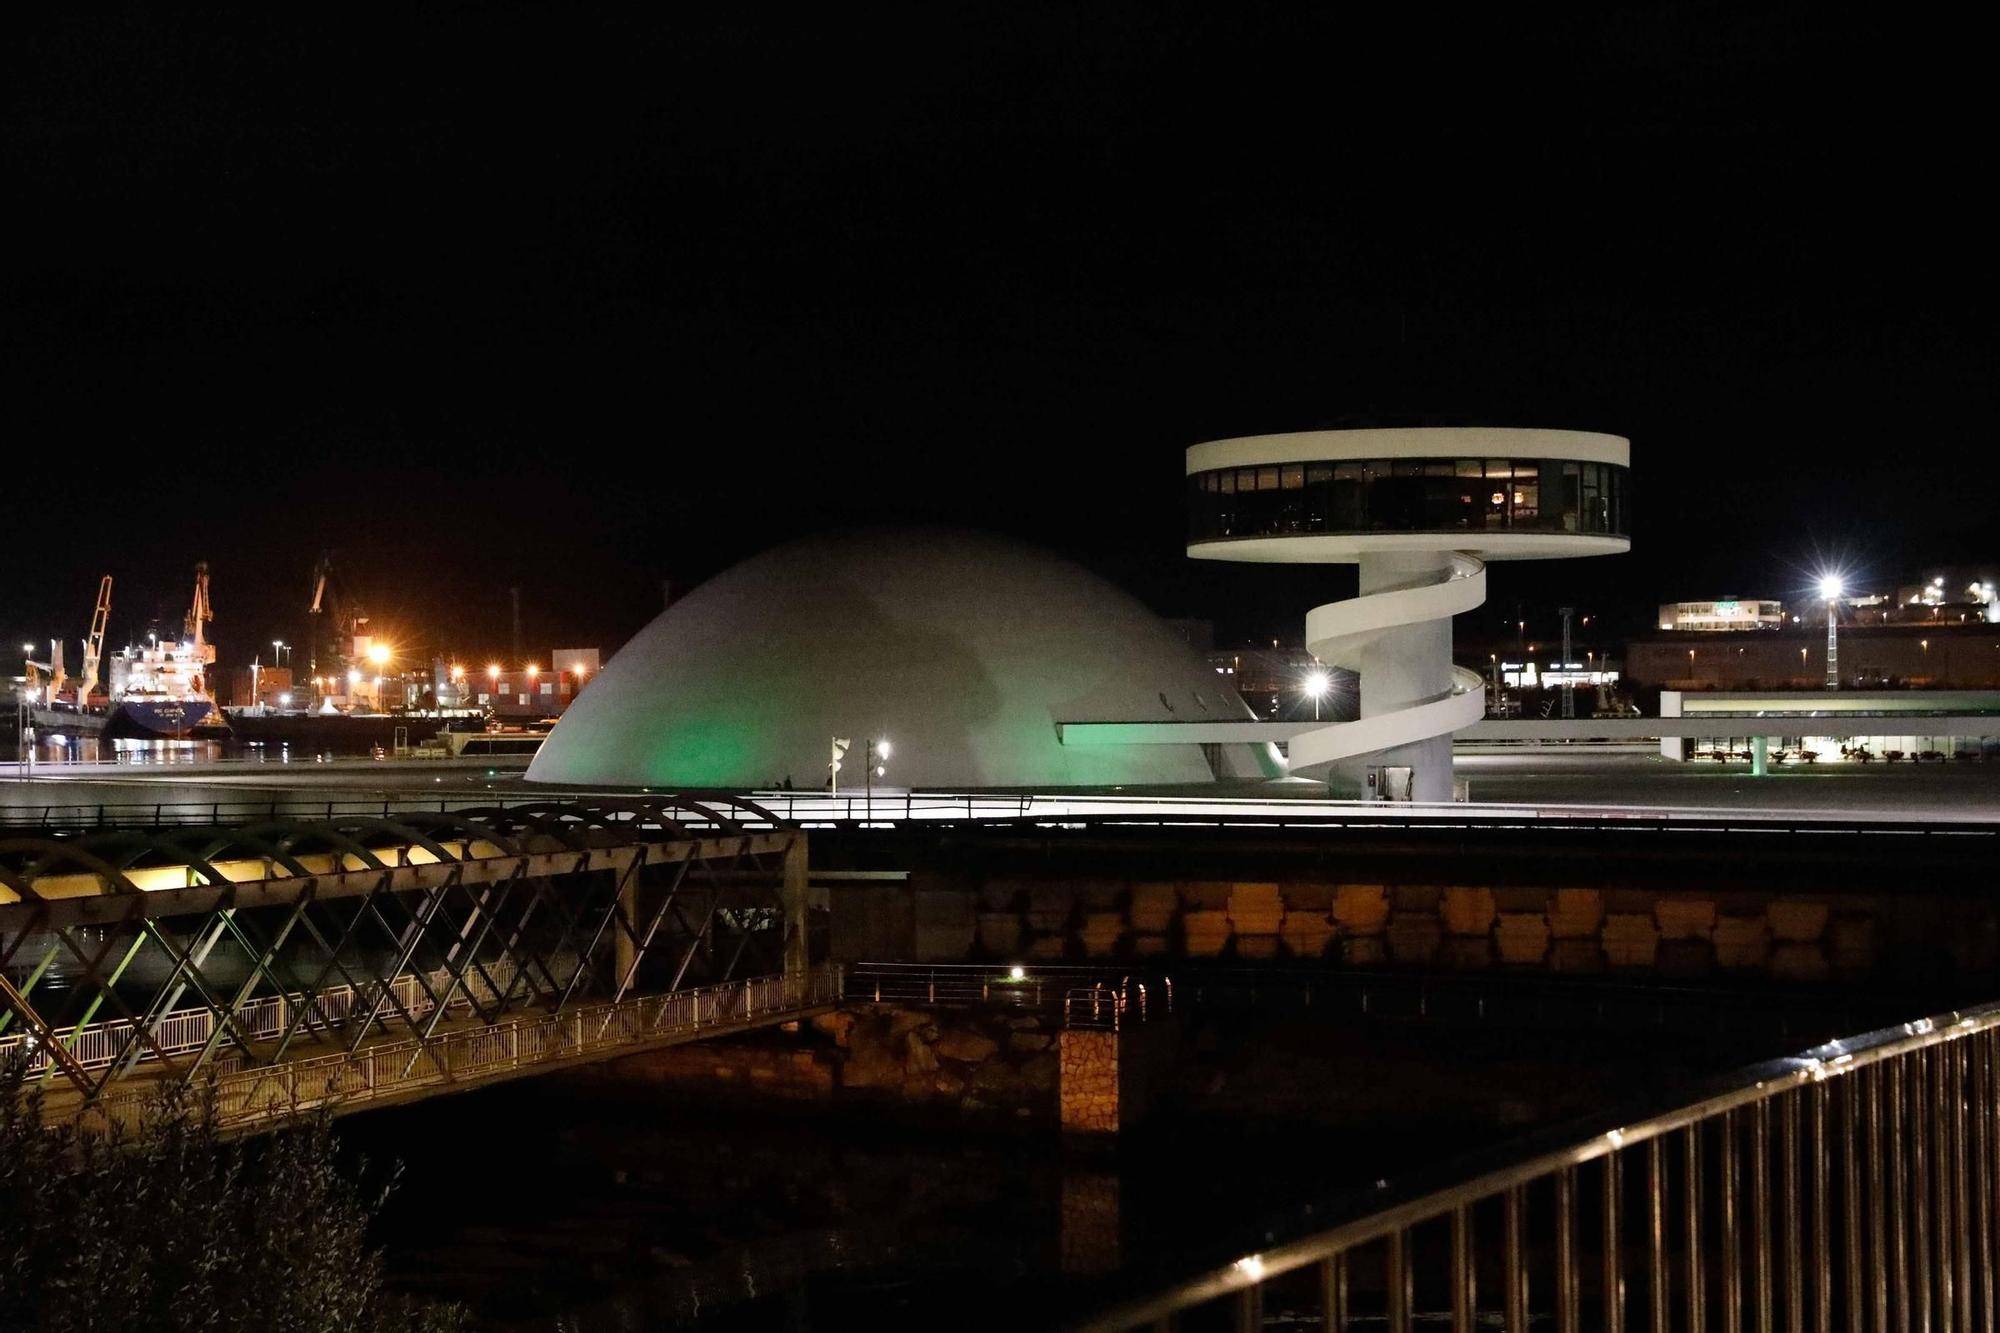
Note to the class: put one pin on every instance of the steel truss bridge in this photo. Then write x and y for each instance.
(363, 959)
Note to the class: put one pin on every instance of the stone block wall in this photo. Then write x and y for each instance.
(974, 1065)
(1677, 932)
(1088, 1060)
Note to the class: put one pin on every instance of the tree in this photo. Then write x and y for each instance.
(168, 1228)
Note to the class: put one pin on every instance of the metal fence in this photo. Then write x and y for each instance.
(1085, 996)
(1854, 1187)
(246, 1098)
(889, 809)
(1112, 1008)
(97, 1045)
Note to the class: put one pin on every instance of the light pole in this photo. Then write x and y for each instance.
(1830, 587)
(836, 751)
(1569, 686)
(878, 750)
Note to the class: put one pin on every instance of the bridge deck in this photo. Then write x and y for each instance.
(466, 1053)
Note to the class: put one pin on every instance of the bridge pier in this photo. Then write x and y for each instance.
(795, 896)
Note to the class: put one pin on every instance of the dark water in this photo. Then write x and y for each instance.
(607, 1208)
(54, 751)
(534, 1202)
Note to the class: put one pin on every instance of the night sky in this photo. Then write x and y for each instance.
(583, 298)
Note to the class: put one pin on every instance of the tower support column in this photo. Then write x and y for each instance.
(1407, 665)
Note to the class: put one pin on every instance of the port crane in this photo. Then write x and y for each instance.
(57, 677)
(93, 645)
(93, 653)
(199, 614)
(335, 620)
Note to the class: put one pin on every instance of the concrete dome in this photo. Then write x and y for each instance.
(964, 651)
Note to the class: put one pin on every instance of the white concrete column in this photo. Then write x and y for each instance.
(1408, 665)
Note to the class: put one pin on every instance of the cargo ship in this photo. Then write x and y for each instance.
(160, 691)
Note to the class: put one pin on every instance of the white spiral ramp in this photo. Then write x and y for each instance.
(1397, 636)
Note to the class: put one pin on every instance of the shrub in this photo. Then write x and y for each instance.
(171, 1227)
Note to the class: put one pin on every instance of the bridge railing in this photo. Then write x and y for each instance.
(1112, 1008)
(895, 808)
(96, 1045)
(1085, 996)
(391, 1070)
(1855, 1186)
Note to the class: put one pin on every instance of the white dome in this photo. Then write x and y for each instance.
(963, 651)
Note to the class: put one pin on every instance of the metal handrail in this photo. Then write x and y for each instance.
(818, 809)
(1083, 994)
(1917, 1162)
(178, 1031)
(261, 1094)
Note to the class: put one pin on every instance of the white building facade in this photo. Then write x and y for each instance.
(1420, 511)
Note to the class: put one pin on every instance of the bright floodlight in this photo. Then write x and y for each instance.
(882, 748)
(1830, 587)
(1317, 684)
(378, 653)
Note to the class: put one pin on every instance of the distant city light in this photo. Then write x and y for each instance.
(284, 701)
(353, 675)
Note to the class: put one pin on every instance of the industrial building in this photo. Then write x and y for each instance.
(1948, 654)
(1724, 615)
(1833, 726)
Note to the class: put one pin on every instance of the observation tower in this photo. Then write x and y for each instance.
(1420, 511)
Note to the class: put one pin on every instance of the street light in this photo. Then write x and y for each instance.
(1317, 684)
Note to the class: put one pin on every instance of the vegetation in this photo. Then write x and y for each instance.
(170, 1227)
